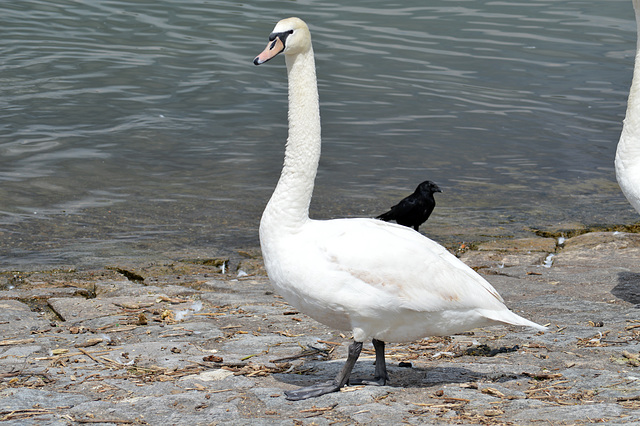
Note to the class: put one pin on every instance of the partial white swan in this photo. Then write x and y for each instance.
(628, 152)
(379, 280)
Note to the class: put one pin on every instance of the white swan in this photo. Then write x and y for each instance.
(628, 152)
(381, 281)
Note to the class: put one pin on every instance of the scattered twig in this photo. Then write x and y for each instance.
(542, 376)
(496, 393)
(628, 398)
(326, 342)
(12, 374)
(134, 306)
(318, 411)
(117, 421)
(119, 327)
(90, 342)
(185, 333)
(24, 413)
(174, 300)
(220, 390)
(69, 355)
(105, 361)
(17, 341)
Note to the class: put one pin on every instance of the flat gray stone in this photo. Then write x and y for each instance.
(17, 319)
(230, 347)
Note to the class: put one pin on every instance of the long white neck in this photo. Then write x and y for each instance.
(629, 145)
(289, 204)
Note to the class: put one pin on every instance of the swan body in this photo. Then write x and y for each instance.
(627, 161)
(382, 281)
(379, 280)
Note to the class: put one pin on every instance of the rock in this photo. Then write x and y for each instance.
(17, 319)
(600, 249)
(238, 346)
(603, 241)
(499, 260)
(521, 245)
(500, 254)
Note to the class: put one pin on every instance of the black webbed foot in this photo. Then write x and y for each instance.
(312, 391)
(380, 378)
(332, 385)
(376, 381)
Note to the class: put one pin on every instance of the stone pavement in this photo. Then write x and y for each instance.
(205, 341)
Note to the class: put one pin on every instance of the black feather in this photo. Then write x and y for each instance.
(415, 209)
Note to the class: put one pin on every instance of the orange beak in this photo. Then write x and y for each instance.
(273, 48)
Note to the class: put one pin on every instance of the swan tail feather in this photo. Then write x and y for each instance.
(509, 317)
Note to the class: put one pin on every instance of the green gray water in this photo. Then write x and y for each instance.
(134, 128)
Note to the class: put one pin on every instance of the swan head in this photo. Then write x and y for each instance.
(290, 36)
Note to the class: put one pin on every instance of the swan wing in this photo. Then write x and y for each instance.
(413, 271)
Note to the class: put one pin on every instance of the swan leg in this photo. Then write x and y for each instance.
(332, 385)
(381, 377)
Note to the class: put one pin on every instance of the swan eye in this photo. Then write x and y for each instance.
(282, 36)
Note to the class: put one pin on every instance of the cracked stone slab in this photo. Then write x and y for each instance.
(16, 318)
(76, 309)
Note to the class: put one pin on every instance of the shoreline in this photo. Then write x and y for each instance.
(450, 236)
(179, 342)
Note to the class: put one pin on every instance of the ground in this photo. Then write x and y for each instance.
(203, 341)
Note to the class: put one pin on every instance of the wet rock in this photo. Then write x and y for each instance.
(603, 240)
(25, 399)
(498, 260)
(222, 348)
(600, 250)
(494, 257)
(43, 293)
(218, 264)
(524, 245)
(127, 288)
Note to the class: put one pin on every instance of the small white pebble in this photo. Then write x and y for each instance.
(197, 306)
(179, 315)
(437, 354)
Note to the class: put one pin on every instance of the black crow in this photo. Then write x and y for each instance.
(415, 209)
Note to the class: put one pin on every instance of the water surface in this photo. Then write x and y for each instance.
(134, 128)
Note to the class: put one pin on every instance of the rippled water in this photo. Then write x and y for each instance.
(135, 128)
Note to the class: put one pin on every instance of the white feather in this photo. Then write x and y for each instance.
(627, 160)
(376, 279)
